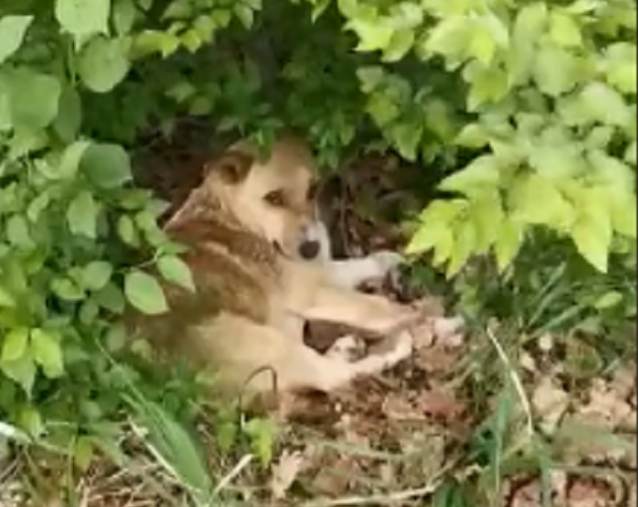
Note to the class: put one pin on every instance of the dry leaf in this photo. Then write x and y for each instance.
(550, 403)
(589, 494)
(546, 342)
(396, 407)
(440, 404)
(607, 408)
(333, 479)
(527, 362)
(285, 472)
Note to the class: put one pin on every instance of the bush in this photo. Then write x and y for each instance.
(525, 111)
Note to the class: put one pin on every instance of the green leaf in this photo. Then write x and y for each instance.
(620, 66)
(482, 172)
(67, 122)
(15, 344)
(508, 243)
(609, 300)
(82, 215)
(592, 233)
(487, 215)
(406, 138)
(103, 63)
(33, 98)
(22, 371)
(12, 32)
(89, 311)
(318, 8)
(175, 270)
(623, 215)
(631, 153)
(473, 135)
(487, 37)
(124, 12)
(564, 30)
(529, 27)
(45, 347)
(83, 452)
(464, 246)
(528, 191)
(144, 293)
(66, 289)
(96, 275)
(612, 172)
(127, 232)
(6, 299)
(111, 298)
(262, 436)
(382, 108)
(422, 240)
(71, 158)
(488, 85)
(17, 231)
(245, 14)
(400, 43)
(555, 70)
(115, 338)
(557, 161)
(31, 421)
(107, 165)
(151, 41)
(373, 34)
(370, 77)
(450, 38)
(600, 137)
(435, 228)
(82, 18)
(605, 104)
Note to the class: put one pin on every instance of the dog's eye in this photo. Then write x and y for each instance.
(275, 198)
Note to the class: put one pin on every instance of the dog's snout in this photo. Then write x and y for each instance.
(309, 249)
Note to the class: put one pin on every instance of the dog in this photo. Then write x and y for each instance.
(262, 266)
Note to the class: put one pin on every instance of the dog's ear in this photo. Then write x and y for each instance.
(232, 167)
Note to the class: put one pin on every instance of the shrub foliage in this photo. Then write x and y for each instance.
(525, 110)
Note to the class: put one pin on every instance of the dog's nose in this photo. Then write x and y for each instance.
(309, 249)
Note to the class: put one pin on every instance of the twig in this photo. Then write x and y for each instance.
(388, 499)
(227, 479)
(516, 379)
(392, 498)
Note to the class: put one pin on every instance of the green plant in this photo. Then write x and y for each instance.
(510, 103)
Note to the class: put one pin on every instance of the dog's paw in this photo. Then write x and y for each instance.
(393, 349)
(448, 326)
(403, 346)
(387, 261)
(449, 330)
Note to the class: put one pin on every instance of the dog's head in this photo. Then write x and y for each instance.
(273, 197)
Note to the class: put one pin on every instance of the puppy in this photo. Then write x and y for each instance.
(261, 265)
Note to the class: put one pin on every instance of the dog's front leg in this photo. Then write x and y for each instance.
(376, 317)
(353, 272)
(366, 312)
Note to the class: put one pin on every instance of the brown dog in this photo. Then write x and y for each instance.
(261, 263)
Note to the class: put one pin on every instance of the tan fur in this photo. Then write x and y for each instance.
(253, 289)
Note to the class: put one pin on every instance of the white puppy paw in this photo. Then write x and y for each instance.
(348, 348)
(449, 330)
(386, 261)
(404, 345)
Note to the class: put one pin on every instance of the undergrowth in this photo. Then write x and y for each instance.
(523, 115)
